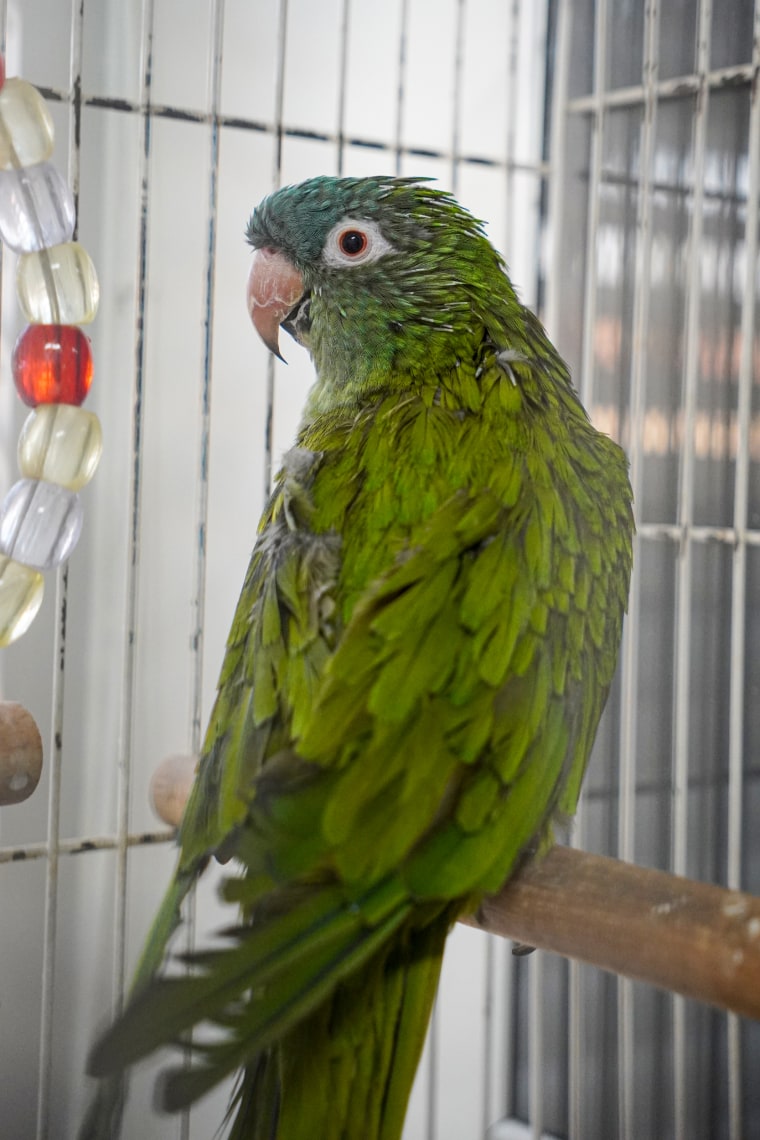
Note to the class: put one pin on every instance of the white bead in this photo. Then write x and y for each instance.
(40, 523)
(36, 207)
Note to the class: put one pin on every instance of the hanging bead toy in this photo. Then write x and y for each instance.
(60, 444)
(57, 287)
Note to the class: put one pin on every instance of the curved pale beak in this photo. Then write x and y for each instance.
(274, 288)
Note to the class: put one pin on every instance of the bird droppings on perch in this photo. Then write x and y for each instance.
(20, 753)
(170, 787)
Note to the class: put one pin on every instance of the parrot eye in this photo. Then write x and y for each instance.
(354, 242)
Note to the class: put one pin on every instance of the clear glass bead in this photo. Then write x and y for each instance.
(40, 523)
(21, 590)
(58, 285)
(60, 444)
(36, 207)
(26, 128)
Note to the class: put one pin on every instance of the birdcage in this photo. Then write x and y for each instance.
(614, 150)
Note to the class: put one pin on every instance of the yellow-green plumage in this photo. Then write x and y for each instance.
(414, 675)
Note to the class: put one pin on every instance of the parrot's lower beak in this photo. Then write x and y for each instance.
(274, 289)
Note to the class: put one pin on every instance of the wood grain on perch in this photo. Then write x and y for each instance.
(696, 939)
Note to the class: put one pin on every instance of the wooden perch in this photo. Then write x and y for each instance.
(699, 940)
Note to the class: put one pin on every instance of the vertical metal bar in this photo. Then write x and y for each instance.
(576, 1027)
(499, 998)
(576, 1036)
(198, 604)
(59, 677)
(683, 616)
(135, 498)
(536, 1045)
(431, 1129)
(510, 1032)
(507, 962)
(401, 83)
(536, 968)
(201, 517)
(739, 569)
(686, 472)
(344, 32)
(557, 184)
(51, 876)
(513, 67)
(433, 1029)
(558, 165)
(586, 385)
(630, 647)
(488, 1032)
(456, 111)
(576, 1020)
(279, 94)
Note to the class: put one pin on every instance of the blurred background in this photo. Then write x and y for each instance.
(614, 150)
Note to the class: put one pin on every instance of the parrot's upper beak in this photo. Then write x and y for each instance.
(274, 288)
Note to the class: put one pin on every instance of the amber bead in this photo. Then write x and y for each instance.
(52, 364)
(58, 284)
(26, 128)
(60, 444)
(21, 589)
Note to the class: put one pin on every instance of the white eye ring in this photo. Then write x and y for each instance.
(337, 252)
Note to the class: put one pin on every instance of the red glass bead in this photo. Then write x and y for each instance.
(52, 364)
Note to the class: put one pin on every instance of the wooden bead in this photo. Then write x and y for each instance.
(170, 787)
(20, 753)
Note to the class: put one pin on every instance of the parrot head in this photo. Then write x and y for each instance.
(372, 275)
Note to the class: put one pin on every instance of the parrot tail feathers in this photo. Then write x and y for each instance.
(103, 1117)
(102, 1120)
(167, 920)
(420, 987)
(267, 978)
(347, 1070)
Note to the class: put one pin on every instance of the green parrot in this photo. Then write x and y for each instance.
(414, 676)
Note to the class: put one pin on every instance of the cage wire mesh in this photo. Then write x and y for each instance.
(615, 151)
